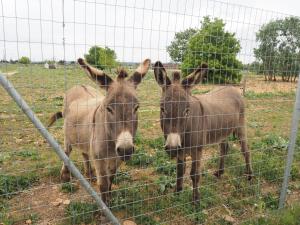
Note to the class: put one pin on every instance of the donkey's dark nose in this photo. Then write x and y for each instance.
(125, 153)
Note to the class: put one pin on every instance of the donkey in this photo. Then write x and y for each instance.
(189, 122)
(103, 127)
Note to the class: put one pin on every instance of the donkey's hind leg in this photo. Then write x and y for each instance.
(224, 146)
(241, 134)
(65, 173)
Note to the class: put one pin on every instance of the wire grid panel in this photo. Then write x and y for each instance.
(54, 34)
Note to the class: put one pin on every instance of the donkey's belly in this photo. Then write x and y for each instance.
(217, 135)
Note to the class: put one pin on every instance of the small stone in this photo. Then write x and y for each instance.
(229, 219)
(59, 200)
(28, 222)
(66, 202)
(129, 222)
(55, 203)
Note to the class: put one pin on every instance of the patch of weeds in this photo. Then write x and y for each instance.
(81, 212)
(146, 220)
(53, 171)
(295, 173)
(271, 201)
(140, 158)
(4, 157)
(10, 185)
(184, 205)
(165, 182)
(267, 95)
(58, 100)
(3, 213)
(122, 176)
(242, 188)
(33, 155)
(156, 144)
(68, 188)
(287, 216)
(269, 156)
(163, 164)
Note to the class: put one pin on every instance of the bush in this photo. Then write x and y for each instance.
(103, 58)
(217, 47)
(24, 60)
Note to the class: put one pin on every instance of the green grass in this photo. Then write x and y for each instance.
(288, 216)
(81, 212)
(68, 187)
(144, 186)
(268, 95)
(11, 185)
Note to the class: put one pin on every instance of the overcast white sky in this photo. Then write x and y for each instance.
(135, 29)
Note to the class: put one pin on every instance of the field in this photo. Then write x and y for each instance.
(31, 192)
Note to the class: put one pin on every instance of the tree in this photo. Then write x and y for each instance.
(103, 58)
(177, 48)
(217, 47)
(24, 60)
(279, 48)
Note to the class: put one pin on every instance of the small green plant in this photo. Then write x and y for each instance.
(165, 182)
(122, 176)
(81, 212)
(164, 165)
(11, 185)
(68, 187)
(140, 158)
(28, 154)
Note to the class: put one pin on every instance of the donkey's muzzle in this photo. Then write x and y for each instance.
(125, 153)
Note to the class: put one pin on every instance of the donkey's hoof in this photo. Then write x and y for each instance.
(218, 173)
(65, 177)
(249, 176)
(178, 190)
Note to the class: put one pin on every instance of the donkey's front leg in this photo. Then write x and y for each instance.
(196, 173)
(102, 179)
(180, 171)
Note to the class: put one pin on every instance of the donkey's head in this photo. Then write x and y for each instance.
(120, 105)
(175, 103)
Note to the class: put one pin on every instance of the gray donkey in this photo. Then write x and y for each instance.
(191, 122)
(103, 127)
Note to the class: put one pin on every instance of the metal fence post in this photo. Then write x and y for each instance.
(291, 146)
(41, 128)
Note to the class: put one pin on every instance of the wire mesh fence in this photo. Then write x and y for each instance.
(220, 85)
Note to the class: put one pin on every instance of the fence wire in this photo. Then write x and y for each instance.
(109, 115)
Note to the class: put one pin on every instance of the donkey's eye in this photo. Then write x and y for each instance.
(162, 110)
(187, 112)
(109, 109)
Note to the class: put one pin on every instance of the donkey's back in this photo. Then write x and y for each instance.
(223, 111)
(80, 103)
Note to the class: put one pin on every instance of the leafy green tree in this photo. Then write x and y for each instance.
(279, 48)
(24, 60)
(217, 47)
(103, 58)
(177, 48)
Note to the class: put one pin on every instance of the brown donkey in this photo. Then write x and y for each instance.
(103, 127)
(191, 122)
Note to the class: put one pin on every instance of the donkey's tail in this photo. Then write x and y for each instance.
(55, 117)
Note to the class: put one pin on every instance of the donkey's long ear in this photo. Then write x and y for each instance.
(140, 72)
(96, 75)
(195, 77)
(161, 75)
